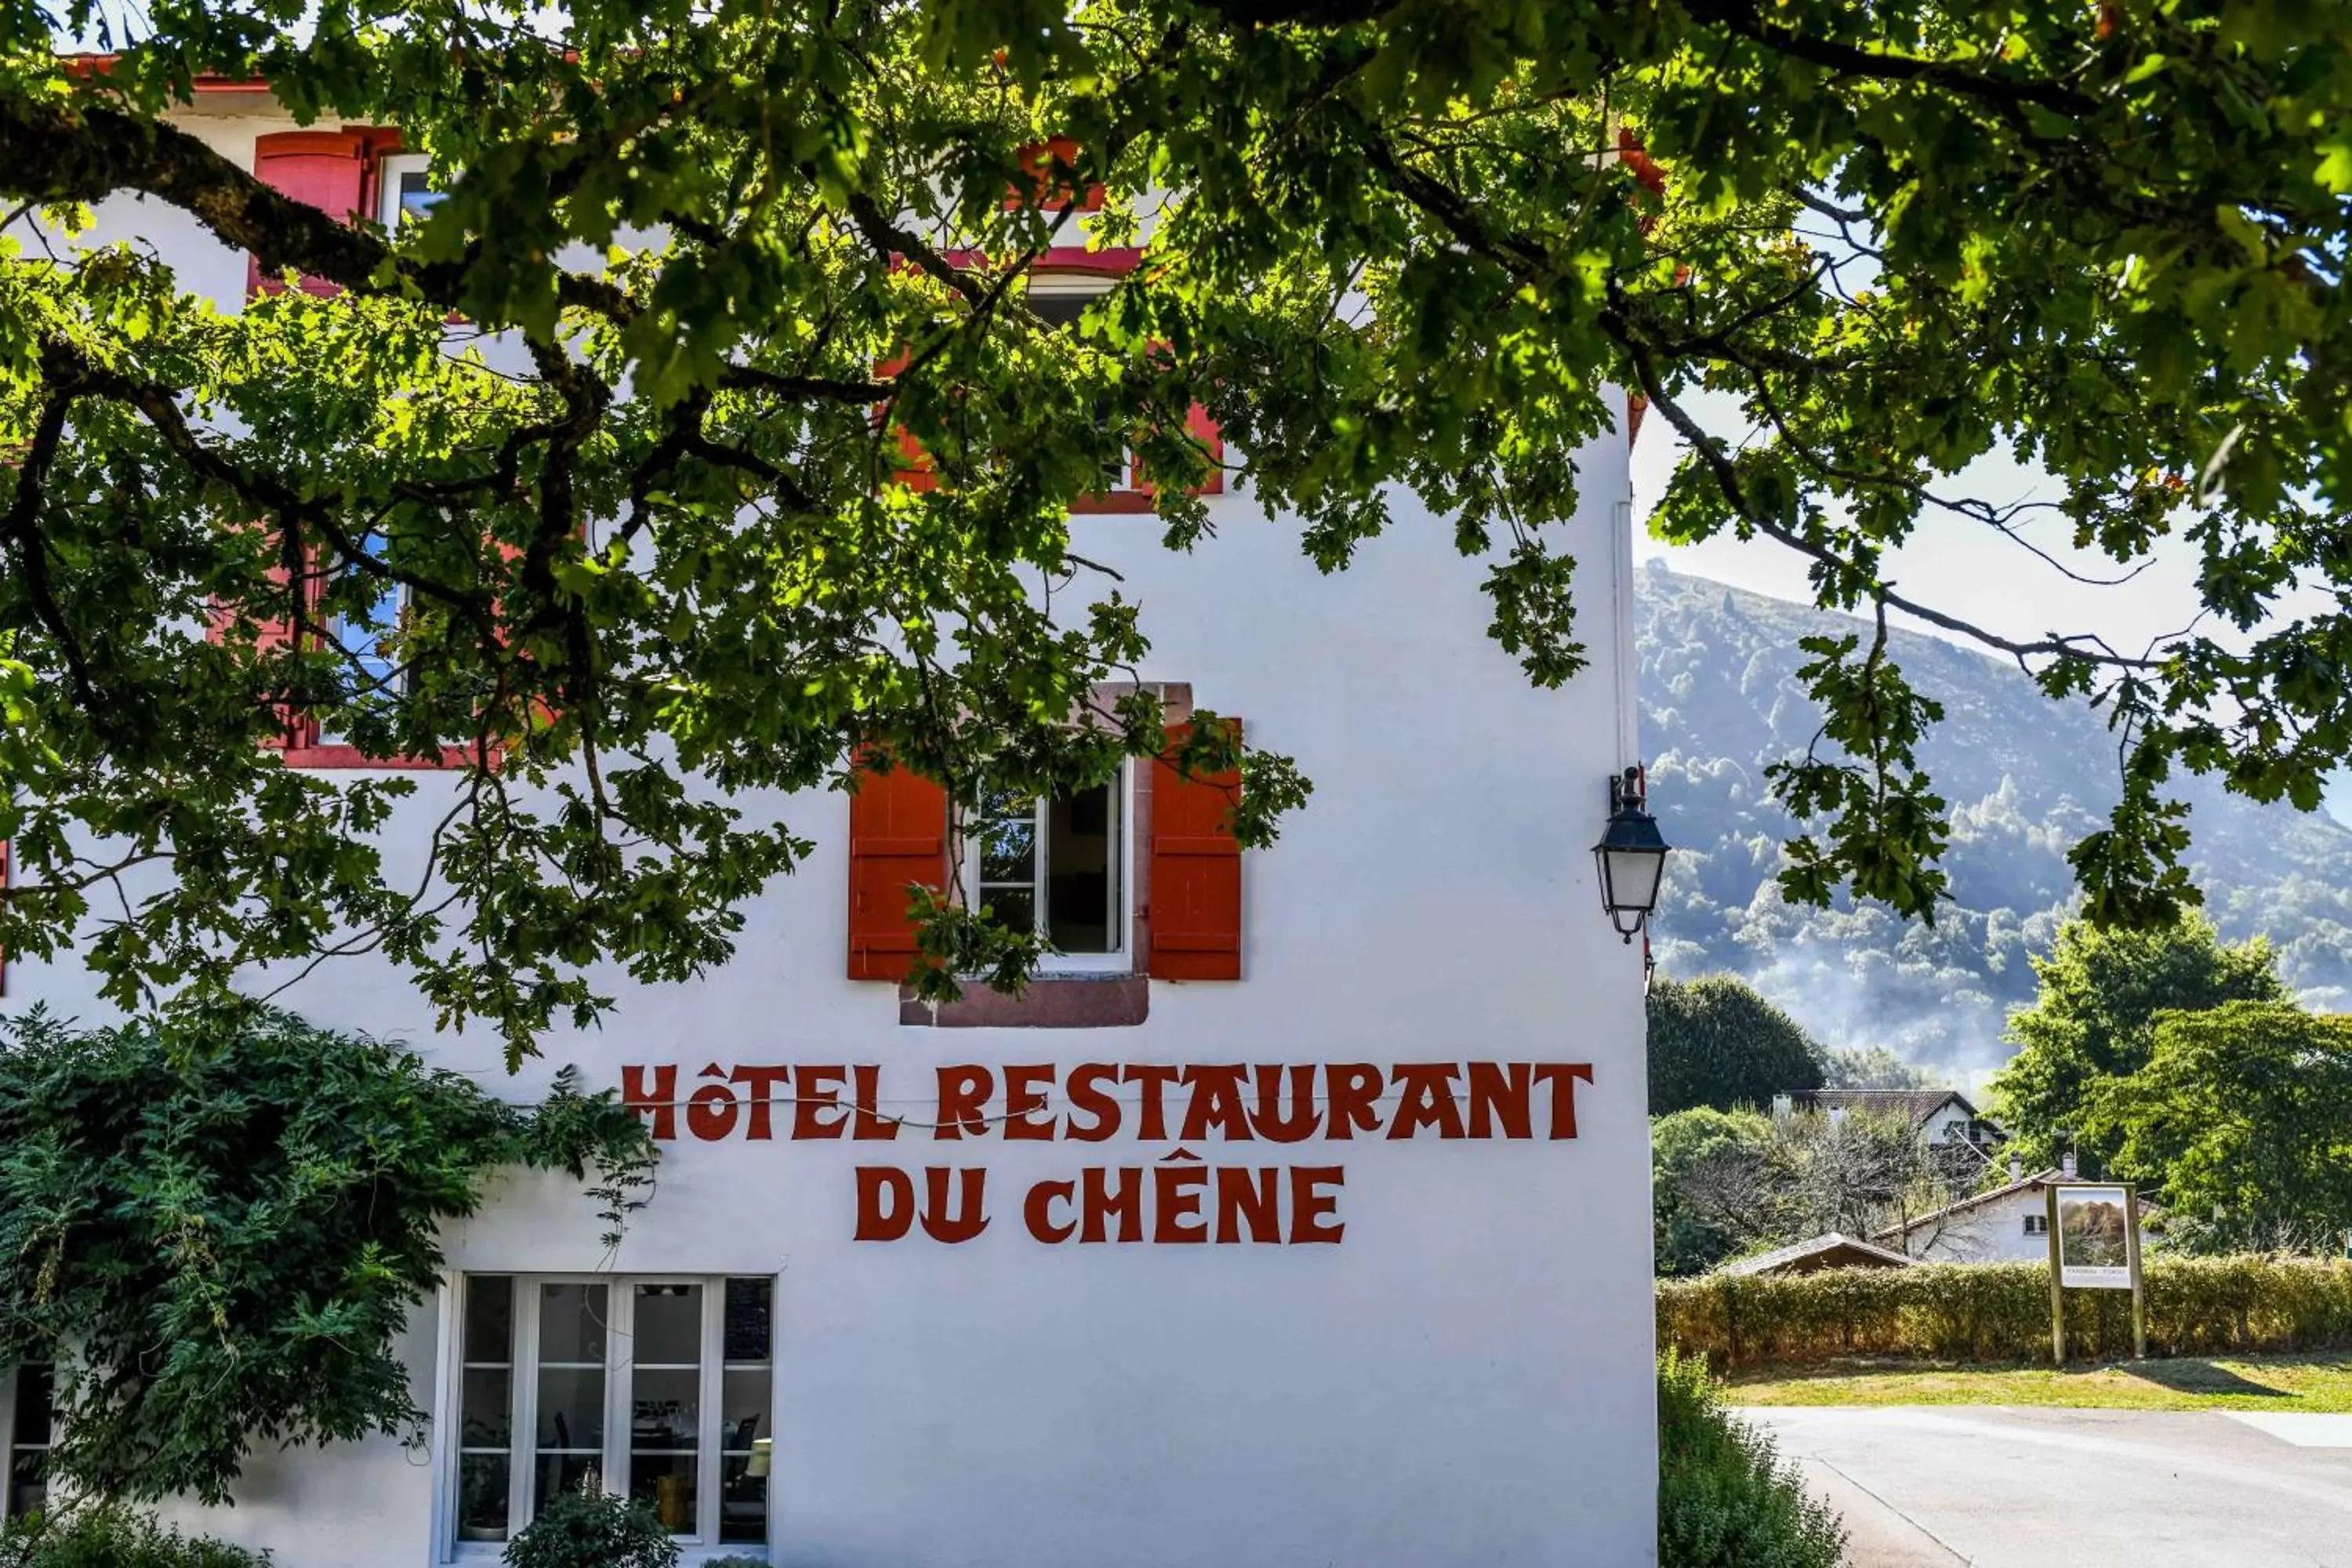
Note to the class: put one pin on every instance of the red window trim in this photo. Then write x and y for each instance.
(338, 755)
(1109, 260)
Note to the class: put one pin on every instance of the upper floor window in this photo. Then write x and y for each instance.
(1075, 869)
(1060, 300)
(655, 1389)
(363, 638)
(1056, 866)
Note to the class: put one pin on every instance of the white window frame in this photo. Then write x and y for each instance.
(1120, 959)
(388, 170)
(523, 1393)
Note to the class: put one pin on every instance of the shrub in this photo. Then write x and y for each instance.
(112, 1536)
(229, 1221)
(593, 1528)
(2001, 1311)
(1725, 1499)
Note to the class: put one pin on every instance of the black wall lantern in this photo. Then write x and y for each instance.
(1631, 856)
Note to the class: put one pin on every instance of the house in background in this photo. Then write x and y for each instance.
(1939, 1116)
(2008, 1224)
(1829, 1250)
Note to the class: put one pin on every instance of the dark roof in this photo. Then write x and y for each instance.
(1831, 1250)
(1917, 1103)
(2038, 1179)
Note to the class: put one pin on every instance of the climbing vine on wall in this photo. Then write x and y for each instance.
(215, 1230)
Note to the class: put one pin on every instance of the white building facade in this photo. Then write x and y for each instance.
(2007, 1225)
(1304, 1221)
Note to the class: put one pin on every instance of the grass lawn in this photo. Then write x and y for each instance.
(2303, 1383)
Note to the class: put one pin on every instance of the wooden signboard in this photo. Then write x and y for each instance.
(2093, 1230)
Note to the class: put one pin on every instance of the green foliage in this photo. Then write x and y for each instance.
(1726, 1184)
(110, 1535)
(1714, 1041)
(594, 1529)
(2094, 1022)
(2238, 1117)
(2001, 1311)
(217, 1229)
(1702, 1160)
(663, 585)
(1724, 1498)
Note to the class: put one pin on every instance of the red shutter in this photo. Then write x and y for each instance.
(1196, 872)
(1204, 429)
(327, 170)
(897, 835)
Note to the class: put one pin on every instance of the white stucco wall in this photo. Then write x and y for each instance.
(1991, 1232)
(1464, 1379)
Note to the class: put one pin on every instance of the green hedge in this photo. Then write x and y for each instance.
(1724, 1498)
(2001, 1311)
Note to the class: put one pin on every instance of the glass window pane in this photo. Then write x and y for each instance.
(482, 1483)
(28, 1489)
(571, 1323)
(487, 1421)
(559, 1473)
(489, 1318)
(571, 1408)
(743, 1413)
(1058, 309)
(996, 803)
(33, 1398)
(743, 1498)
(749, 1303)
(667, 1409)
(669, 1325)
(667, 1481)
(1082, 871)
(418, 197)
(1014, 907)
(1008, 851)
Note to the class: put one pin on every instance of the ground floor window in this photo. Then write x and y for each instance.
(24, 1419)
(657, 1389)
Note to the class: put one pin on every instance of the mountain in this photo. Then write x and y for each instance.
(2025, 778)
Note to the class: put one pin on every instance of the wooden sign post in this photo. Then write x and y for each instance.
(2094, 1233)
(2057, 1291)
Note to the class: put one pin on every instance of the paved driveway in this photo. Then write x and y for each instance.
(2009, 1488)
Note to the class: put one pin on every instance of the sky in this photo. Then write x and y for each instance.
(1960, 567)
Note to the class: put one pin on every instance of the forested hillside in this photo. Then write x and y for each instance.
(2024, 776)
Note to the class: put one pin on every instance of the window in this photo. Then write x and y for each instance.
(24, 1409)
(657, 1389)
(362, 638)
(1055, 866)
(405, 189)
(1059, 299)
(2037, 1224)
